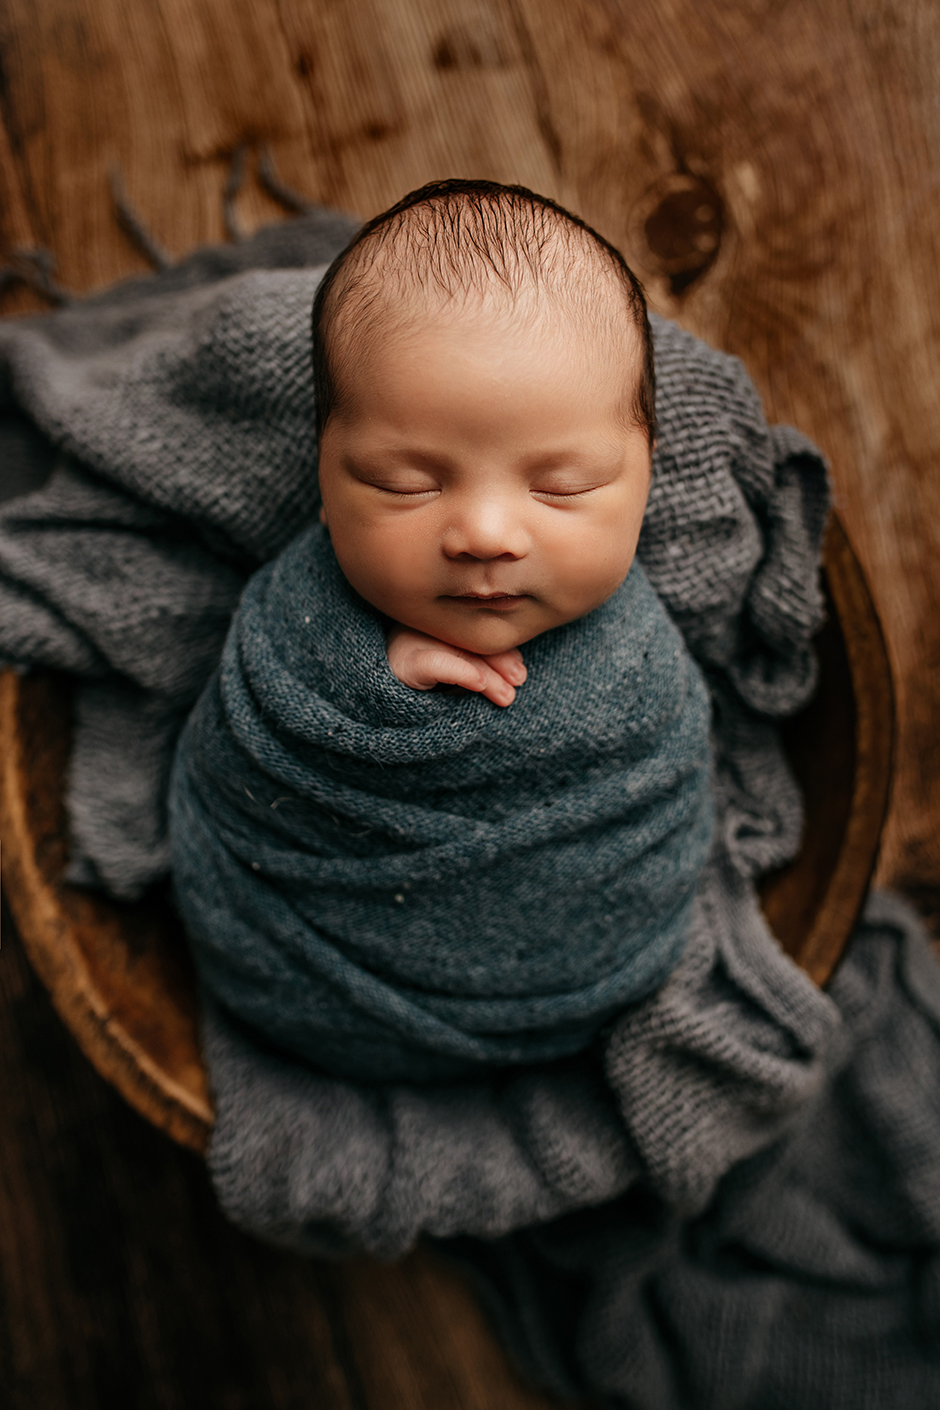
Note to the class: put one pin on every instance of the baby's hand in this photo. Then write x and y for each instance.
(424, 662)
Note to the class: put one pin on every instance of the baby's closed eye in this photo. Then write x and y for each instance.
(407, 479)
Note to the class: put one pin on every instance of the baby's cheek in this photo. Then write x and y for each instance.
(370, 569)
(594, 567)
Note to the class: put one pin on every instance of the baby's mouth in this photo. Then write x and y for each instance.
(499, 601)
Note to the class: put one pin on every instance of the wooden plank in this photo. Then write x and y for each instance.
(120, 1282)
(403, 94)
(437, 1352)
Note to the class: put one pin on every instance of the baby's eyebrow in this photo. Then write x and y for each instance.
(552, 459)
(400, 457)
(425, 459)
(571, 458)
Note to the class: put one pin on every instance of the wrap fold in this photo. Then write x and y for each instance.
(709, 1070)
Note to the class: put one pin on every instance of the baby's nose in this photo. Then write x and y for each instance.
(485, 529)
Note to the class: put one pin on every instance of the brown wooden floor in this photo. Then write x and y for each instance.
(123, 1288)
(771, 168)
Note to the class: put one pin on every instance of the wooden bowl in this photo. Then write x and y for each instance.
(121, 978)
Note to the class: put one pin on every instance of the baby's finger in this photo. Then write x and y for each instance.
(471, 672)
(495, 686)
(509, 664)
(448, 667)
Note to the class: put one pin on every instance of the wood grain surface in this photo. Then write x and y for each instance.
(122, 1287)
(771, 170)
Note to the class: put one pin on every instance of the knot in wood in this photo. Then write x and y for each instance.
(469, 46)
(679, 221)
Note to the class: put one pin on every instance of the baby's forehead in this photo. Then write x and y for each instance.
(589, 305)
(496, 255)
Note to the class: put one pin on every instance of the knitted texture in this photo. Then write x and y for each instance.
(402, 884)
(175, 415)
(710, 1069)
(812, 1276)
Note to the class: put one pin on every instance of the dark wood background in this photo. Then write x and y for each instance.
(770, 166)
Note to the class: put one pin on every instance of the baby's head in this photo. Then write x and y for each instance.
(485, 404)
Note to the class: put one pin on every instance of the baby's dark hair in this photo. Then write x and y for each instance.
(459, 236)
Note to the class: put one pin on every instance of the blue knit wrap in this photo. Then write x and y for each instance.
(402, 885)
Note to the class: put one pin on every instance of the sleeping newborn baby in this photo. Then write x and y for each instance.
(446, 800)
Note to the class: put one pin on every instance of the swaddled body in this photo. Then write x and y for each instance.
(401, 885)
(398, 885)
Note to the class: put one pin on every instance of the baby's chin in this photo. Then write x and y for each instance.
(485, 632)
(484, 644)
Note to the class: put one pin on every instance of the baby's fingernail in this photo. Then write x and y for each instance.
(508, 695)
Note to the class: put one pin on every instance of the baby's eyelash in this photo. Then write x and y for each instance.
(406, 494)
(564, 494)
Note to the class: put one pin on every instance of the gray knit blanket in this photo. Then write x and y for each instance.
(404, 885)
(732, 1197)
